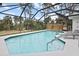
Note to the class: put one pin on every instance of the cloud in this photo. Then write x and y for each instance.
(6, 7)
(54, 17)
(37, 5)
(4, 4)
(8, 12)
(19, 8)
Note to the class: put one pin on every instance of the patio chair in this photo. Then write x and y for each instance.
(71, 35)
(76, 31)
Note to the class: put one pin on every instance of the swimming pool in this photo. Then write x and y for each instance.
(34, 42)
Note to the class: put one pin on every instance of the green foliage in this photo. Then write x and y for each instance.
(1, 25)
(38, 26)
(47, 20)
(6, 23)
(35, 25)
(18, 22)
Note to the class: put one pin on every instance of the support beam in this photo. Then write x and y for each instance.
(59, 11)
(8, 14)
(9, 6)
(46, 8)
(62, 15)
(72, 10)
(52, 12)
(9, 9)
(21, 15)
(23, 9)
(55, 5)
(73, 15)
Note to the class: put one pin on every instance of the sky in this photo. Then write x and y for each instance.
(18, 11)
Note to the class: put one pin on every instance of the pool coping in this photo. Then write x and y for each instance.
(3, 38)
(3, 47)
(68, 49)
(12, 35)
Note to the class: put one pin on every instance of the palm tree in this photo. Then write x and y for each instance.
(46, 10)
(18, 21)
(7, 21)
(1, 25)
(47, 20)
(28, 9)
(21, 7)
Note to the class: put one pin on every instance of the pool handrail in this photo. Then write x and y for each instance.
(51, 42)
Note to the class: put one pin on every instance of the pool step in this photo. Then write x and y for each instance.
(51, 44)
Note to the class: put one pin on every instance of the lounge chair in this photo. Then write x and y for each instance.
(71, 35)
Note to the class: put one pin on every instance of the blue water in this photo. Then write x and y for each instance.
(32, 43)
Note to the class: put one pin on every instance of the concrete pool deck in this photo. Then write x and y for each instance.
(70, 49)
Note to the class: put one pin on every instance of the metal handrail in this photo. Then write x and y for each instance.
(51, 42)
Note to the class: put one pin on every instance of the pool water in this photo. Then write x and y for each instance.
(34, 42)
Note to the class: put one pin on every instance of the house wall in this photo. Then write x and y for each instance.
(75, 22)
